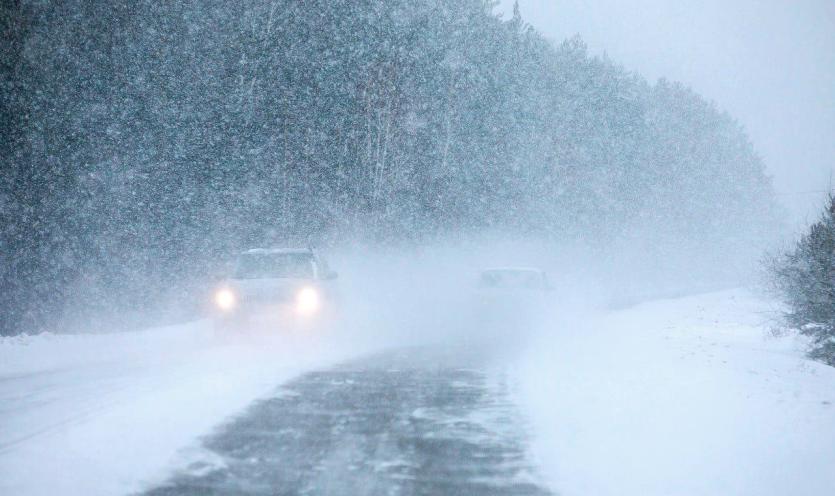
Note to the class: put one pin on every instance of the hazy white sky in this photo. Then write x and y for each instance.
(770, 63)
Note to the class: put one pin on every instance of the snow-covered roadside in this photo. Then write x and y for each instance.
(106, 414)
(689, 396)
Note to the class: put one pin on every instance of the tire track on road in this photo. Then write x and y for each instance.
(412, 422)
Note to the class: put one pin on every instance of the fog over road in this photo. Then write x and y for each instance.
(411, 421)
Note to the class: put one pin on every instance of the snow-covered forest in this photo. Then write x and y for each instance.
(145, 141)
(417, 247)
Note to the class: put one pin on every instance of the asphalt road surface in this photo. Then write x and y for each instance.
(410, 422)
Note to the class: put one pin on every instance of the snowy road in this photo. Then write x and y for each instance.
(686, 396)
(417, 421)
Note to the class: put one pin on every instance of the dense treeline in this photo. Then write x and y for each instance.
(804, 277)
(144, 140)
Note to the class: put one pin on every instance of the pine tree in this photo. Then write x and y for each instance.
(805, 277)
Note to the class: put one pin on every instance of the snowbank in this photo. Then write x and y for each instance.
(690, 396)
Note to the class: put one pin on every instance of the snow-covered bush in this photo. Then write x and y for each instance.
(805, 278)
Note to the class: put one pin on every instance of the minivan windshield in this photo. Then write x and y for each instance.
(274, 266)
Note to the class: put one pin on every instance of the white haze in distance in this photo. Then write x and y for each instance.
(770, 63)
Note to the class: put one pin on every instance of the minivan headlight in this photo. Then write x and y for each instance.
(225, 299)
(308, 301)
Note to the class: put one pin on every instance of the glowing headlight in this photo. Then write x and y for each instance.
(307, 301)
(225, 299)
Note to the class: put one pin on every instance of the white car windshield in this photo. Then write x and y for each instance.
(512, 279)
(274, 266)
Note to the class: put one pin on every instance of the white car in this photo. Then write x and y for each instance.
(275, 287)
(510, 302)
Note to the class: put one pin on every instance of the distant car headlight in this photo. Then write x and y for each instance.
(308, 301)
(225, 299)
